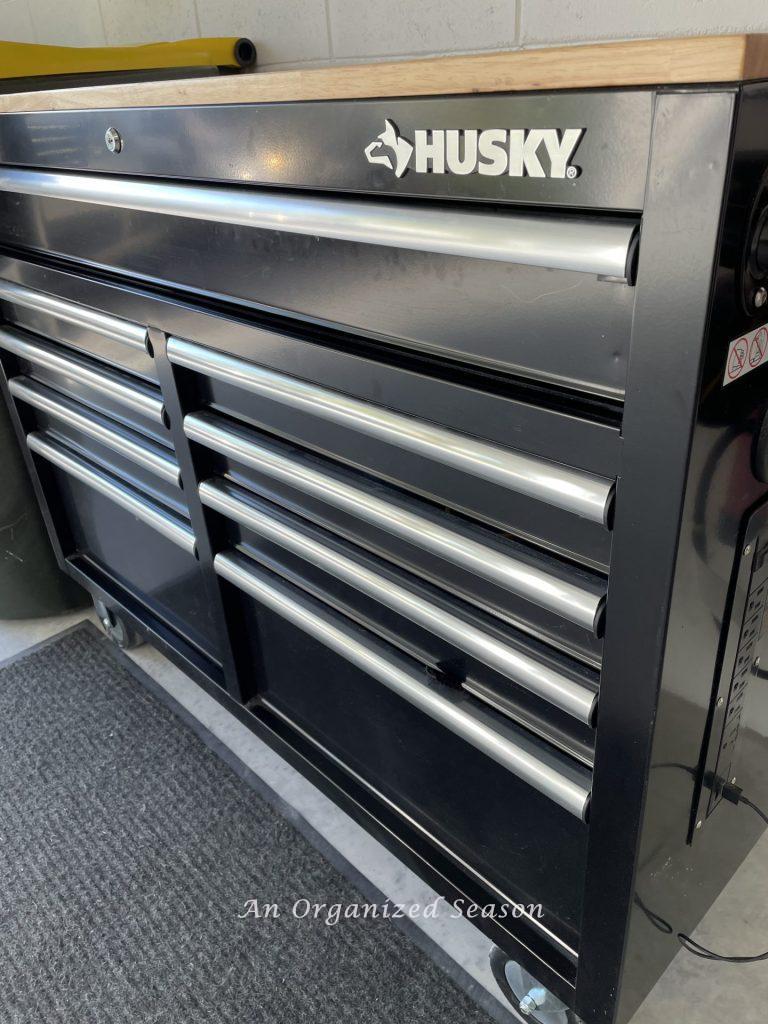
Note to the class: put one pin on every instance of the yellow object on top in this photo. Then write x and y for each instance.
(29, 60)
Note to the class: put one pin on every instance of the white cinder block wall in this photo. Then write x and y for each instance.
(310, 32)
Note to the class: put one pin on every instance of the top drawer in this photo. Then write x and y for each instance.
(540, 295)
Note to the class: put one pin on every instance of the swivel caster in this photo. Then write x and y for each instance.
(530, 1000)
(116, 628)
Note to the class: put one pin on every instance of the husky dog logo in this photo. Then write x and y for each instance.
(515, 152)
(400, 150)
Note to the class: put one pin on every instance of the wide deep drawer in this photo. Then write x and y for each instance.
(513, 291)
(145, 547)
(419, 746)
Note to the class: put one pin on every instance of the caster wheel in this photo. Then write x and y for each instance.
(116, 628)
(529, 1000)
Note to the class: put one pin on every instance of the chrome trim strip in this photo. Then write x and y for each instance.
(138, 450)
(567, 694)
(133, 396)
(563, 782)
(575, 603)
(572, 490)
(91, 319)
(161, 521)
(590, 245)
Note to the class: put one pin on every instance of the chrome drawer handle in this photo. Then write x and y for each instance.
(142, 452)
(150, 514)
(567, 694)
(590, 245)
(107, 326)
(563, 782)
(569, 489)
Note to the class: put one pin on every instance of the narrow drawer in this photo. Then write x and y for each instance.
(112, 339)
(164, 521)
(119, 396)
(139, 460)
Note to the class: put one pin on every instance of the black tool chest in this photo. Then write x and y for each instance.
(418, 432)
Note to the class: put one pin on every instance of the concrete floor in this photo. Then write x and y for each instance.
(697, 991)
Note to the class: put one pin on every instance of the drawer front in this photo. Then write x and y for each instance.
(140, 461)
(456, 283)
(112, 339)
(147, 548)
(119, 396)
(451, 767)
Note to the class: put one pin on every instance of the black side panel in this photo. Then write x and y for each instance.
(684, 495)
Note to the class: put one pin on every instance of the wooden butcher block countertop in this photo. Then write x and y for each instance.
(703, 59)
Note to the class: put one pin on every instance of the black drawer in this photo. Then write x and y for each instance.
(146, 548)
(118, 395)
(115, 340)
(140, 461)
(456, 281)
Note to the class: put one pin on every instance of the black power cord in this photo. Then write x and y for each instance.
(734, 794)
(755, 808)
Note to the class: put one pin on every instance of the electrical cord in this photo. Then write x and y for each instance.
(755, 808)
(656, 919)
(734, 794)
(703, 953)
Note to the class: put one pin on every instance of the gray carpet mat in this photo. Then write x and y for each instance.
(127, 852)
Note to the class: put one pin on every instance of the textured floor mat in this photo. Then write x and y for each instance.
(128, 850)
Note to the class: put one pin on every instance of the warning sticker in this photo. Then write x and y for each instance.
(746, 353)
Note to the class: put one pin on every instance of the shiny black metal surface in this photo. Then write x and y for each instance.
(306, 145)
(624, 381)
(483, 313)
(82, 340)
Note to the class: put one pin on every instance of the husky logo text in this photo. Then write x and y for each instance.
(517, 152)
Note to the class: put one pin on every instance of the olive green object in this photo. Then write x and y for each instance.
(31, 583)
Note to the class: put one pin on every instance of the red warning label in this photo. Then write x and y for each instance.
(745, 354)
